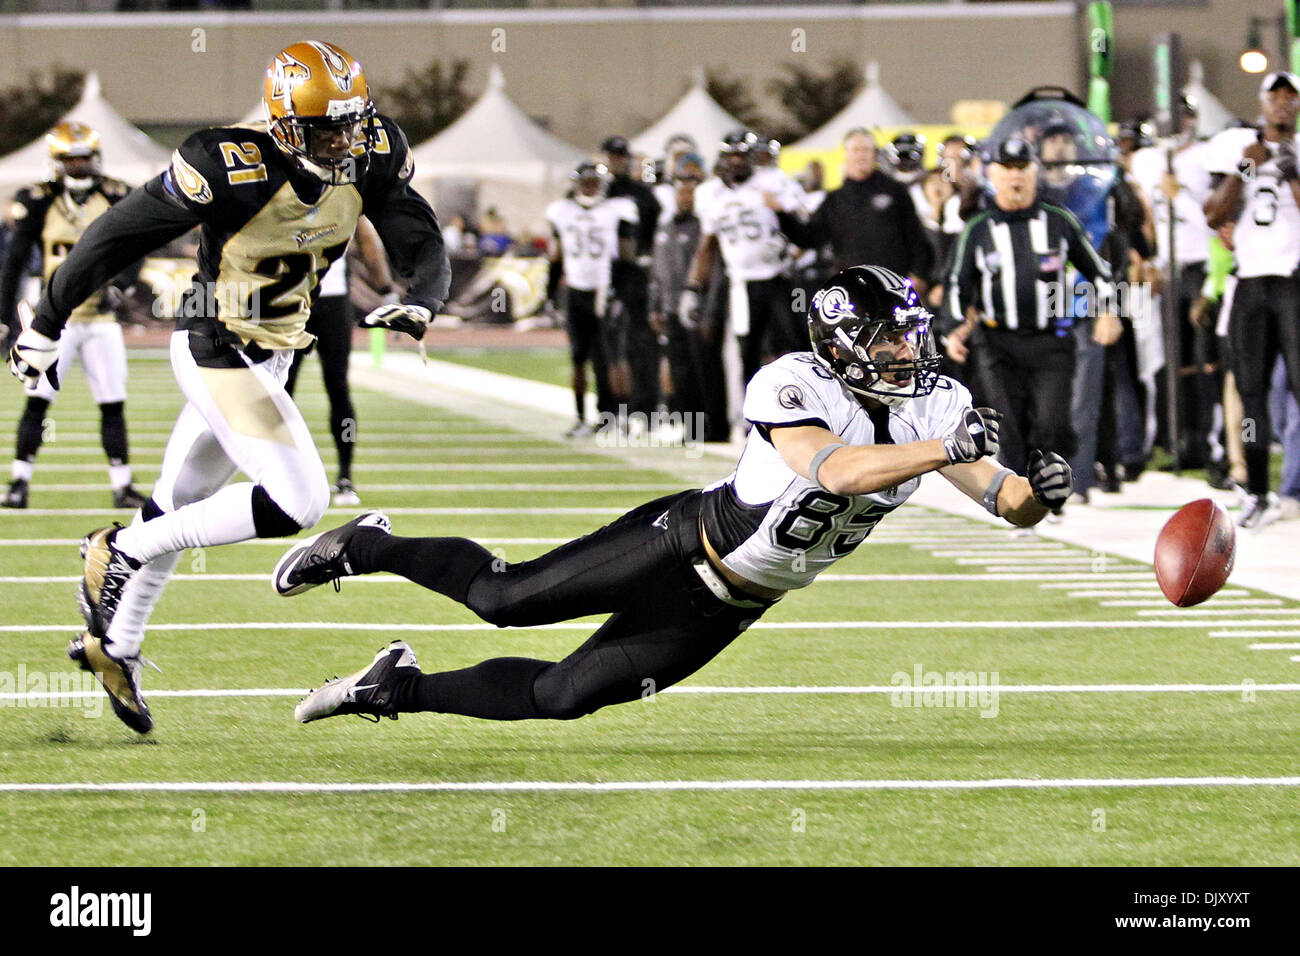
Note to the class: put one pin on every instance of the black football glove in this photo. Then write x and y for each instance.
(1050, 479)
(975, 437)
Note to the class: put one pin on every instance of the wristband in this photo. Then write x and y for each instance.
(991, 493)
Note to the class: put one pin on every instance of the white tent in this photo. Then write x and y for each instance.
(696, 114)
(872, 107)
(1212, 116)
(127, 152)
(512, 163)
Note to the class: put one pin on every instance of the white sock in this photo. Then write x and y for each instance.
(224, 518)
(119, 476)
(22, 469)
(141, 593)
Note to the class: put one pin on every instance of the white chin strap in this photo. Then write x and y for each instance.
(587, 201)
(78, 184)
(886, 394)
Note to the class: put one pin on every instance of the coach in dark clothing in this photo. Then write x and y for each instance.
(870, 218)
(631, 280)
(1008, 284)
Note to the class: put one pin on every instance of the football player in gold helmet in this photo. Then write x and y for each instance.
(277, 204)
(51, 216)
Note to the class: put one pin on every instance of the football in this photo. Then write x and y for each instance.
(1194, 552)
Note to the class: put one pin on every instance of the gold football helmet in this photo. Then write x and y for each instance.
(318, 110)
(71, 140)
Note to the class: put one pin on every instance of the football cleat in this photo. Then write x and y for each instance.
(120, 678)
(367, 693)
(16, 496)
(128, 497)
(104, 575)
(1258, 511)
(322, 557)
(345, 494)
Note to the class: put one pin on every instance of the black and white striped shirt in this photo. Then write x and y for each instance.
(1012, 267)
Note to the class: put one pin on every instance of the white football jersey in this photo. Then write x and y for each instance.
(752, 245)
(1191, 168)
(589, 238)
(779, 529)
(1267, 237)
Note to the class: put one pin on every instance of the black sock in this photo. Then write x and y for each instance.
(112, 432)
(31, 429)
(1257, 477)
(445, 565)
(498, 689)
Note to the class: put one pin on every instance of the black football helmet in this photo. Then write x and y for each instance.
(590, 183)
(736, 156)
(907, 152)
(868, 326)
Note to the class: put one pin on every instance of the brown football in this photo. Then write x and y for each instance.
(1194, 552)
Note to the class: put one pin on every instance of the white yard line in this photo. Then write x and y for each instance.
(759, 691)
(468, 485)
(633, 786)
(1249, 633)
(579, 626)
(1238, 604)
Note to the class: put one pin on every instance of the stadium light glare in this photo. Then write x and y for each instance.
(1254, 61)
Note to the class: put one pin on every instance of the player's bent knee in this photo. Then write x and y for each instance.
(272, 521)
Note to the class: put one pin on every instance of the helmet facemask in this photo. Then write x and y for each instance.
(891, 361)
(334, 149)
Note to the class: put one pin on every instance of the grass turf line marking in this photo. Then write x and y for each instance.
(1046, 625)
(366, 467)
(1276, 646)
(625, 786)
(1255, 633)
(467, 486)
(704, 690)
(1241, 604)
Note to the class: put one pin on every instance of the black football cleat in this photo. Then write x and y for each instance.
(104, 575)
(323, 557)
(16, 496)
(128, 497)
(367, 693)
(119, 678)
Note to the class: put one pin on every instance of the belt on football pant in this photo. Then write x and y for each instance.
(721, 589)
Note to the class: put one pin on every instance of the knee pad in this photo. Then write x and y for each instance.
(270, 519)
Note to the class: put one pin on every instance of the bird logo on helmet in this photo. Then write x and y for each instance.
(71, 140)
(868, 327)
(319, 112)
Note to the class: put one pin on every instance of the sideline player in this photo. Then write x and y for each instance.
(52, 215)
(591, 231)
(276, 207)
(840, 439)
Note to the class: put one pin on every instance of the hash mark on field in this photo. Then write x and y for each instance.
(625, 786)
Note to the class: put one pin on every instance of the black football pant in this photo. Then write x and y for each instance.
(1264, 322)
(774, 329)
(665, 624)
(331, 323)
(1028, 377)
(589, 341)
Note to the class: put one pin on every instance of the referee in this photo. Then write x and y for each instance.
(1009, 283)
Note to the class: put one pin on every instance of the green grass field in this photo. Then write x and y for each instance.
(1105, 736)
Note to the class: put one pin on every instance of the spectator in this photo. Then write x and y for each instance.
(870, 218)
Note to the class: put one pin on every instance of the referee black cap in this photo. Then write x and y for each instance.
(1012, 151)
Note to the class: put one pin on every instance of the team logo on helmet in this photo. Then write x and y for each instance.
(286, 74)
(834, 305)
(338, 67)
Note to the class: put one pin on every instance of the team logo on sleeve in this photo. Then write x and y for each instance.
(189, 180)
(790, 396)
(408, 167)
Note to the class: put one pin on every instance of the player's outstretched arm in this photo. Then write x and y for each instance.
(854, 469)
(1021, 501)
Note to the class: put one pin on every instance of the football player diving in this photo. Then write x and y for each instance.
(840, 438)
(51, 216)
(277, 204)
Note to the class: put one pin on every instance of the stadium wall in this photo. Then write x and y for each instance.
(588, 73)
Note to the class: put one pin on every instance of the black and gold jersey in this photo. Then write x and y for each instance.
(51, 218)
(269, 232)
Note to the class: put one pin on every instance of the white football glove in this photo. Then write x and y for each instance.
(411, 319)
(32, 354)
(688, 308)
